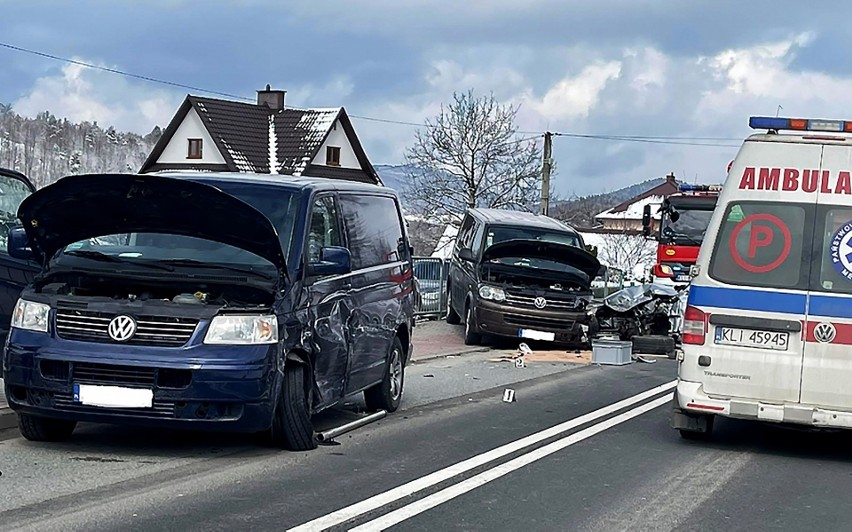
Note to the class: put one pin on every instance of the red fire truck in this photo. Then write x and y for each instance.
(683, 220)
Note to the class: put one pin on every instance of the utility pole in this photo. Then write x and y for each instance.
(545, 173)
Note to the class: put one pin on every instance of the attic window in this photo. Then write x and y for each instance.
(193, 149)
(332, 156)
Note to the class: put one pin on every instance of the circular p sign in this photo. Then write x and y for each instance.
(767, 243)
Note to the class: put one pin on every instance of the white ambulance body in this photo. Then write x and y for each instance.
(767, 331)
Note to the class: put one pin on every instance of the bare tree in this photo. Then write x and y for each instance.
(625, 249)
(468, 156)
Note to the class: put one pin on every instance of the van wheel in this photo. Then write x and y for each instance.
(388, 394)
(291, 422)
(453, 317)
(36, 428)
(471, 337)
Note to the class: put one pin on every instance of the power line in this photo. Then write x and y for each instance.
(120, 72)
(677, 140)
(645, 140)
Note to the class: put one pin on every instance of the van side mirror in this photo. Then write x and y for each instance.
(18, 245)
(333, 261)
(674, 216)
(466, 254)
(646, 221)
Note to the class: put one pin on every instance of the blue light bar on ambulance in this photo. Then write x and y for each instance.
(800, 124)
(685, 187)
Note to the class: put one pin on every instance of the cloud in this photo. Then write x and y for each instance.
(575, 96)
(84, 94)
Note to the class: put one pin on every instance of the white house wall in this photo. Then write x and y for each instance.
(337, 137)
(191, 128)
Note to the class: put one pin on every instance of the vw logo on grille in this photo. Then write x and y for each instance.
(122, 328)
(540, 302)
(824, 332)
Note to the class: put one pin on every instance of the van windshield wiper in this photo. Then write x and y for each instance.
(103, 257)
(199, 264)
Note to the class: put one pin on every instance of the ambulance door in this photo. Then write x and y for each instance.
(827, 364)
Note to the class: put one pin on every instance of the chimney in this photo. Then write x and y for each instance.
(270, 98)
(670, 178)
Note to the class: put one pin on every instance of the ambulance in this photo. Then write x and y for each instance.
(767, 332)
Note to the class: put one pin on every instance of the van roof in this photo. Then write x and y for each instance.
(282, 180)
(527, 219)
(806, 138)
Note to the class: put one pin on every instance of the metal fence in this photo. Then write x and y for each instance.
(431, 276)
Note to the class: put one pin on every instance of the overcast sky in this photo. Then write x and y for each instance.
(693, 69)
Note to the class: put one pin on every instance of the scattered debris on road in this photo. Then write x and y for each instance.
(508, 395)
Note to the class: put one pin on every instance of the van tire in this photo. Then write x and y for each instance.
(387, 395)
(471, 336)
(291, 421)
(36, 428)
(453, 317)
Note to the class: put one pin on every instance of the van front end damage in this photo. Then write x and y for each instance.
(536, 290)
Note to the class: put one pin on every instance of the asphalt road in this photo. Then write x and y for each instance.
(456, 457)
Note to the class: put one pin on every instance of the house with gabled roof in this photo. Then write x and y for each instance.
(627, 215)
(208, 134)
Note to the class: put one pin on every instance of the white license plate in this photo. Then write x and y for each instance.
(536, 335)
(113, 396)
(681, 278)
(778, 341)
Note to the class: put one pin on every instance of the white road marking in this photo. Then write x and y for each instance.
(377, 501)
(446, 494)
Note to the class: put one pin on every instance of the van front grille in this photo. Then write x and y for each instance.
(90, 326)
(110, 374)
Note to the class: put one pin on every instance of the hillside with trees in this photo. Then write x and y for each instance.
(46, 148)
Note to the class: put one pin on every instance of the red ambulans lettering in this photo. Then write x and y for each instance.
(794, 179)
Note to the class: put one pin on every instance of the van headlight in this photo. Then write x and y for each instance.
(492, 292)
(30, 316)
(242, 330)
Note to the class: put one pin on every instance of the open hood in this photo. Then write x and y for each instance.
(86, 206)
(539, 249)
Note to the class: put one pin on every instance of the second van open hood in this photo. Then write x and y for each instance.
(539, 249)
(86, 206)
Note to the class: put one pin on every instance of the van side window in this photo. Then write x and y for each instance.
(466, 231)
(835, 257)
(761, 244)
(324, 230)
(373, 230)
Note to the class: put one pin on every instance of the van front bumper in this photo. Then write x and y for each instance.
(692, 401)
(235, 397)
(504, 320)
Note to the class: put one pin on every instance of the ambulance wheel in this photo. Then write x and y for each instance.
(694, 435)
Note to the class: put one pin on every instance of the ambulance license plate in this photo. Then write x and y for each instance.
(778, 341)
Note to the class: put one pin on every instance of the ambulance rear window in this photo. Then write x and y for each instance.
(835, 257)
(760, 244)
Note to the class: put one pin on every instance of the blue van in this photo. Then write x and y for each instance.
(206, 301)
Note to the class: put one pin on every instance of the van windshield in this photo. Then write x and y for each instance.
(497, 233)
(278, 205)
